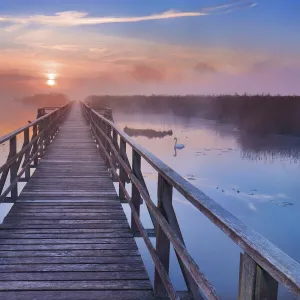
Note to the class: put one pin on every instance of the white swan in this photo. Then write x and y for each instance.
(178, 146)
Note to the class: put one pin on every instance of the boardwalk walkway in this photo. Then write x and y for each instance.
(67, 237)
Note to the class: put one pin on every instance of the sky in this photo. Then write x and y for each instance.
(149, 47)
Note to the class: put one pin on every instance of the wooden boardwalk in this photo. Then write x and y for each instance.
(67, 237)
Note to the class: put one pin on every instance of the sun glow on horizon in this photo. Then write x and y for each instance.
(51, 79)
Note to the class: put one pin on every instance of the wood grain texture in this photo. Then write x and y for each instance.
(67, 237)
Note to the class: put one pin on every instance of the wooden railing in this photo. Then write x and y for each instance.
(262, 265)
(36, 136)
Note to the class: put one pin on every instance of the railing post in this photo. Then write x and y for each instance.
(27, 153)
(35, 146)
(47, 131)
(42, 138)
(13, 167)
(115, 142)
(164, 193)
(122, 171)
(107, 145)
(255, 283)
(135, 194)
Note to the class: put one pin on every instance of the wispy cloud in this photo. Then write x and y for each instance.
(76, 18)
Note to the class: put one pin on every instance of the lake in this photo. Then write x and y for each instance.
(254, 178)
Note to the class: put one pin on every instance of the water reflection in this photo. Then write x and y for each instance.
(269, 147)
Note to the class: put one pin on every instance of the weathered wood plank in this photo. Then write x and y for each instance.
(72, 260)
(54, 211)
(72, 268)
(66, 276)
(105, 232)
(85, 225)
(68, 252)
(78, 295)
(76, 285)
(51, 236)
(128, 241)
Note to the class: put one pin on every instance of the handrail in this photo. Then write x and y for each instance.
(12, 134)
(44, 130)
(266, 256)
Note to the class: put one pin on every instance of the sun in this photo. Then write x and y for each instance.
(51, 82)
(51, 79)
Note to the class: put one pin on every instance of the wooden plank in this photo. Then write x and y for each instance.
(56, 241)
(67, 216)
(43, 247)
(72, 268)
(67, 276)
(71, 260)
(78, 295)
(86, 225)
(79, 236)
(75, 231)
(55, 211)
(82, 222)
(76, 285)
(68, 252)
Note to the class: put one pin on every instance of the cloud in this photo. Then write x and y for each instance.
(13, 76)
(144, 73)
(230, 7)
(204, 67)
(76, 18)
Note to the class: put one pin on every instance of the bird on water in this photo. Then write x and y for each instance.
(178, 146)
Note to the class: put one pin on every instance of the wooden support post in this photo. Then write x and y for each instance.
(13, 167)
(41, 127)
(164, 193)
(27, 153)
(135, 194)
(107, 145)
(115, 142)
(48, 132)
(35, 146)
(122, 174)
(255, 283)
(170, 216)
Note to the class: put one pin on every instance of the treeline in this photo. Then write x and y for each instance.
(259, 114)
(42, 100)
(179, 105)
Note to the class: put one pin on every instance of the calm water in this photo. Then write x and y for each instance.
(256, 179)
